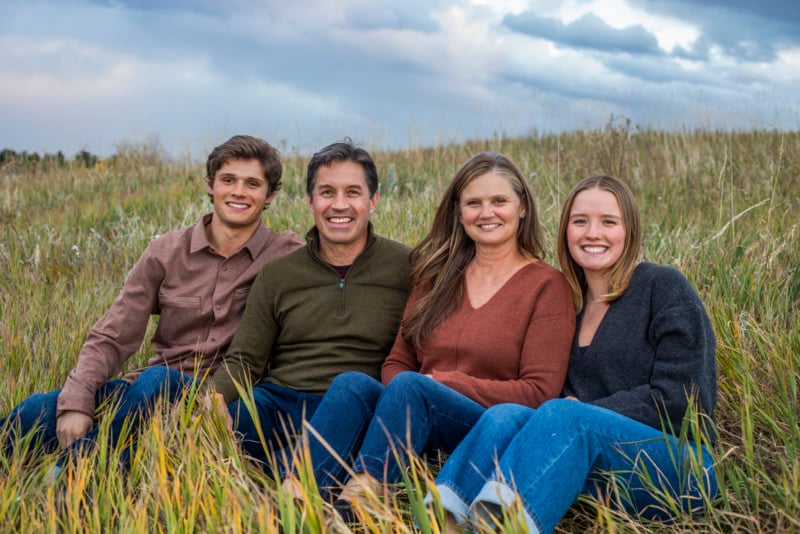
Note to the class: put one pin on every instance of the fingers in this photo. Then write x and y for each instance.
(70, 426)
(215, 404)
(222, 409)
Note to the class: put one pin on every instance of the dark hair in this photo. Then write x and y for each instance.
(438, 262)
(342, 151)
(622, 271)
(247, 147)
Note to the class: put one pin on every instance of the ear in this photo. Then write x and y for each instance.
(310, 202)
(373, 202)
(270, 197)
(209, 189)
(522, 212)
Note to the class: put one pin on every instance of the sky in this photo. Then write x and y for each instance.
(187, 74)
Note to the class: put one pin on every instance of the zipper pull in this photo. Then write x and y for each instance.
(341, 284)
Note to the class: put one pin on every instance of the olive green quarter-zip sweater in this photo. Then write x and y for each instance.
(303, 324)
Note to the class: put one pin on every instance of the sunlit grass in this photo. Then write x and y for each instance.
(720, 206)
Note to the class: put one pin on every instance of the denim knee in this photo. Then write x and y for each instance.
(567, 411)
(407, 383)
(155, 382)
(507, 414)
(354, 380)
(37, 411)
(353, 386)
(157, 372)
(160, 374)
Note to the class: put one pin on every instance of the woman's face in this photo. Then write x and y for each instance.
(595, 233)
(490, 210)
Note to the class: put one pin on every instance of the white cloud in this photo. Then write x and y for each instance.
(669, 31)
(88, 74)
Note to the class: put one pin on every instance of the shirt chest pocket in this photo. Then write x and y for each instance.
(181, 321)
(239, 300)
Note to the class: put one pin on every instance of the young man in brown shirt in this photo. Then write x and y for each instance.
(197, 280)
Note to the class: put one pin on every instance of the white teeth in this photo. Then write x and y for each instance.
(489, 226)
(594, 249)
(237, 205)
(340, 219)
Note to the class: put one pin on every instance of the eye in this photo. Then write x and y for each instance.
(610, 222)
(227, 180)
(578, 221)
(254, 185)
(500, 201)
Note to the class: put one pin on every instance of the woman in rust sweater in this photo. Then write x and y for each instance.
(487, 322)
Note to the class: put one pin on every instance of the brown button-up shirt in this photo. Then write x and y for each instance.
(198, 295)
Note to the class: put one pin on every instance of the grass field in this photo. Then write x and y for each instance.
(721, 207)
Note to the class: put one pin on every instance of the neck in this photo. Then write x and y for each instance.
(341, 255)
(596, 286)
(227, 240)
(499, 259)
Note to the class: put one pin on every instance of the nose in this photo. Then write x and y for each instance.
(486, 211)
(339, 202)
(593, 229)
(238, 188)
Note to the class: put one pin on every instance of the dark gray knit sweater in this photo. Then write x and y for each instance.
(654, 347)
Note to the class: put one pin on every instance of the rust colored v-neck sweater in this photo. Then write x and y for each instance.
(514, 348)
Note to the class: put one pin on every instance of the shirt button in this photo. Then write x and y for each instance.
(224, 268)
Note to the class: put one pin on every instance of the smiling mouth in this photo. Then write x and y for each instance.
(237, 205)
(594, 249)
(491, 226)
(340, 220)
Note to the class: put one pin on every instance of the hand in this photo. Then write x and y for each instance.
(215, 404)
(221, 407)
(71, 426)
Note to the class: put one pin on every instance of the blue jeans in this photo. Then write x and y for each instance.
(565, 448)
(134, 403)
(367, 424)
(278, 417)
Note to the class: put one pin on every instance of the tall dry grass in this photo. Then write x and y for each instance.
(720, 206)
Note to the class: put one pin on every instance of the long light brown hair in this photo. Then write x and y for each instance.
(439, 261)
(622, 270)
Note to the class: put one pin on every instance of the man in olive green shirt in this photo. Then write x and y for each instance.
(332, 306)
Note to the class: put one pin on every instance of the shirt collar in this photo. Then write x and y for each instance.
(253, 245)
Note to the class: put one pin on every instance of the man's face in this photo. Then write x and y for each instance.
(239, 192)
(342, 206)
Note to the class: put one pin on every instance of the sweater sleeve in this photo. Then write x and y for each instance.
(117, 335)
(251, 349)
(402, 357)
(684, 364)
(543, 359)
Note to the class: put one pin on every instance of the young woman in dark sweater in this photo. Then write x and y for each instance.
(643, 352)
(487, 322)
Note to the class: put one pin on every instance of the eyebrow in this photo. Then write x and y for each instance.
(243, 176)
(604, 215)
(491, 197)
(322, 185)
